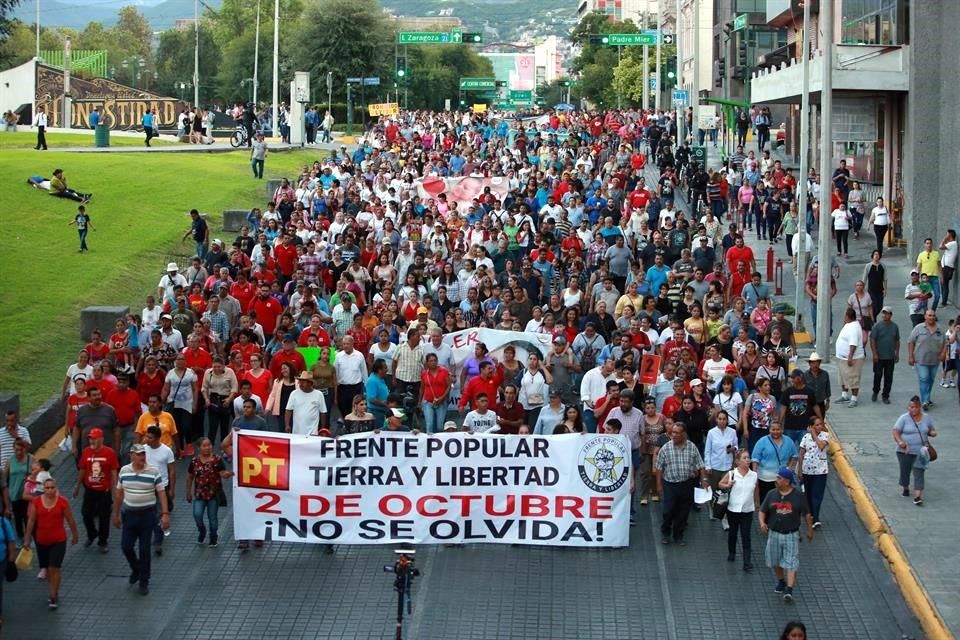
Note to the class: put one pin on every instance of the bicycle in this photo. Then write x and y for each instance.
(239, 137)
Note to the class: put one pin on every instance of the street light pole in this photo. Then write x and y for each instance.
(824, 273)
(646, 68)
(681, 110)
(804, 164)
(656, 94)
(38, 29)
(695, 99)
(196, 53)
(619, 104)
(276, 64)
(256, 56)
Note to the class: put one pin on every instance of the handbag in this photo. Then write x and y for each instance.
(931, 452)
(24, 559)
(866, 322)
(720, 504)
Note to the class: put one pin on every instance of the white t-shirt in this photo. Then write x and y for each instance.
(181, 389)
(238, 405)
(306, 408)
(949, 257)
(841, 219)
(73, 371)
(851, 335)
(481, 422)
(741, 492)
(160, 458)
(881, 216)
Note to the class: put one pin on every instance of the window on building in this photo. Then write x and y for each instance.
(751, 6)
(878, 22)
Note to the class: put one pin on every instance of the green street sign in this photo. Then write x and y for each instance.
(741, 22)
(521, 96)
(456, 35)
(630, 39)
(478, 84)
(700, 155)
(424, 37)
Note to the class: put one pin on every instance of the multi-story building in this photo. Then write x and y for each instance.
(894, 77)
(621, 10)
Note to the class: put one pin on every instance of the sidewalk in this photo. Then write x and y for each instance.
(926, 534)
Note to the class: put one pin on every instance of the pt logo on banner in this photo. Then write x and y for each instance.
(264, 463)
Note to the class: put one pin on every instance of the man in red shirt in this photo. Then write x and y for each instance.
(739, 252)
(126, 404)
(487, 382)
(289, 354)
(315, 328)
(738, 280)
(267, 308)
(672, 348)
(98, 474)
(510, 414)
(287, 257)
(640, 197)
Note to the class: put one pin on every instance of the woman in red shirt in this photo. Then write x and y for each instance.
(76, 400)
(261, 382)
(97, 348)
(150, 381)
(247, 346)
(45, 519)
(434, 394)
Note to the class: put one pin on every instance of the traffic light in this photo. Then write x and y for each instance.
(472, 37)
(402, 71)
(564, 83)
(500, 84)
(671, 73)
(742, 52)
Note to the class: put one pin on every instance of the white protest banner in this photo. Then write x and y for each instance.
(396, 487)
(463, 343)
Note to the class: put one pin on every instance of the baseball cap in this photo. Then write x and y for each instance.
(166, 316)
(449, 425)
(289, 338)
(96, 432)
(422, 310)
(787, 474)
(560, 340)
(696, 382)
(398, 413)
(887, 309)
(137, 448)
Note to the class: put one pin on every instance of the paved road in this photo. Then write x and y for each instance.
(475, 591)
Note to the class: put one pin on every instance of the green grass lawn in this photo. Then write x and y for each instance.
(28, 139)
(139, 210)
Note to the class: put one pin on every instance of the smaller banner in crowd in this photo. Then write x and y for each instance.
(463, 343)
(384, 109)
(394, 487)
(462, 189)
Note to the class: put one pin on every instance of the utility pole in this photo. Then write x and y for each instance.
(646, 68)
(681, 110)
(256, 56)
(196, 53)
(276, 65)
(38, 29)
(804, 164)
(695, 90)
(656, 94)
(824, 303)
(66, 83)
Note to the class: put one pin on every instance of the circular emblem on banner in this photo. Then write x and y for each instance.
(604, 464)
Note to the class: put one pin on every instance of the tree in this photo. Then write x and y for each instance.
(435, 73)
(596, 62)
(350, 38)
(175, 62)
(6, 7)
(133, 33)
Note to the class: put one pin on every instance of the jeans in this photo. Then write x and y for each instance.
(935, 285)
(740, 523)
(157, 528)
(433, 417)
(201, 250)
(815, 486)
(96, 515)
(589, 421)
(257, 166)
(137, 528)
(883, 370)
(926, 374)
(905, 461)
(83, 239)
(880, 230)
(326, 136)
(947, 275)
(843, 240)
(211, 508)
(677, 500)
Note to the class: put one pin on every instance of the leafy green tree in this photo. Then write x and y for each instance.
(350, 38)
(133, 34)
(175, 62)
(435, 73)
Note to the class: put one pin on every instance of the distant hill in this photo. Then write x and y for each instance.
(500, 20)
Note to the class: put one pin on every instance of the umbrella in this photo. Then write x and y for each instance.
(563, 106)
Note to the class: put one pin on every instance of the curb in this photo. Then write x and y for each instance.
(913, 592)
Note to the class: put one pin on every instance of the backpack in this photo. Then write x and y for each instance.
(588, 357)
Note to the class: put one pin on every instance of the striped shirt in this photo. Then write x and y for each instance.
(6, 442)
(679, 464)
(409, 363)
(139, 487)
